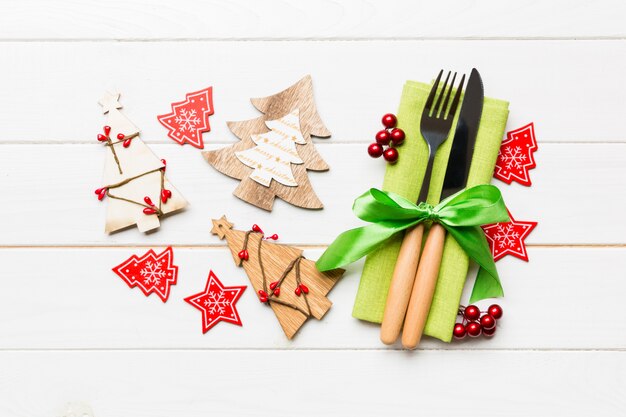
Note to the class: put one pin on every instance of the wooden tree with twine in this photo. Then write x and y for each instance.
(284, 279)
(297, 97)
(134, 177)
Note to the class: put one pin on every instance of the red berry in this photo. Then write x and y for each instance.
(298, 291)
(389, 120)
(375, 150)
(148, 201)
(164, 164)
(473, 329)
(273, 285)
(489, 332)
(165, 195)
(397, 136)
(383, 137)
(391, 155)
(126, 143)
(459, 331)
(273, 237)
(276, 291)
(120, 136)
(472, 313)
(495, 311)
(107, 130)
(487, 322)
(149, 211)
(243, 254)
(256, 228)
(102, 138)
(304, 288)
(262, 296)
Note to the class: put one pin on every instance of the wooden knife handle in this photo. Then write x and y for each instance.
(424, 287)
(401, 284)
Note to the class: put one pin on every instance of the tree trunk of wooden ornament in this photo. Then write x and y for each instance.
(136, 174)
(276, 259)
(298, 96)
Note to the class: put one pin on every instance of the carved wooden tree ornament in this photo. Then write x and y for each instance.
(289, 283)
(264, 160)
(135, 183)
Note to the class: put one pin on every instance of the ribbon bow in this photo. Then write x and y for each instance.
(461, 215)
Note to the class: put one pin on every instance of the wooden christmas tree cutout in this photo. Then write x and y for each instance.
(134, 177)
(281, 276)
(297, 99)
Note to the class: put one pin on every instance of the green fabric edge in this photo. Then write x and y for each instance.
(405, 178)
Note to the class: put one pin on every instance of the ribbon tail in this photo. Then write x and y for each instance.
(473, 241)
(354, 244)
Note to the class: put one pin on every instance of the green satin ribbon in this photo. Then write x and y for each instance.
(461, 215)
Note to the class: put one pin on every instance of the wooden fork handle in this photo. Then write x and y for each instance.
(424, 287)
(401, 284)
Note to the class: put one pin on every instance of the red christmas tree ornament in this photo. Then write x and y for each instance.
(516, 158)
(217, 303)
(152, 273)
(508, 238)
(190, 118)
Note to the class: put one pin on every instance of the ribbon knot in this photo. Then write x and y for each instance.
(461, 215)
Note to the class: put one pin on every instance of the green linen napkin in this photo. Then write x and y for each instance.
(405, 178)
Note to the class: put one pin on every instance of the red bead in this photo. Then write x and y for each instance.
(273, 285)
(397, 136)
(298, 291)
(165, 195)
(473, 329)
(489, 332)
(459, 331)
(375, 150)
(495, 310)
(243, 254)
(121, 136)
(148, 201)
(383, 137)
(99, 190)
(126, 143)
(391, 155)
(102, 138)
(389, 120)
(304, 288)
(262, 296)
(149, 211)
(276, 291)
(107, 130)
(273, 237)
(256, 228)
(472, 312)
(487, 322)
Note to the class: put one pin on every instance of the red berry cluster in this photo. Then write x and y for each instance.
(390, 136)
(476, 322)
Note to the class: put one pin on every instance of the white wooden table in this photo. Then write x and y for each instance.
(72, 332)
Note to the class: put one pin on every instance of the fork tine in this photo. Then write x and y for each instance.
(431, 96)
(457, 97)
(437, 108)
(444, 107)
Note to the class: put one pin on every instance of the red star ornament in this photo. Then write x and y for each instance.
(516, 158)
(190, 118)
(217, 303)
(152, 273)
(508, 238)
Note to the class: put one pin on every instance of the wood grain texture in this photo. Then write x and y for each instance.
(353, 90)
(273, 260)
(298, 96)
(328, 19)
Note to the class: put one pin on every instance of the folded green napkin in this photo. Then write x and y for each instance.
(405, 178)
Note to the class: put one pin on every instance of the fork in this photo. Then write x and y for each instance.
(435, 126)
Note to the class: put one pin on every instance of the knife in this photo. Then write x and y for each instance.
(455, 180)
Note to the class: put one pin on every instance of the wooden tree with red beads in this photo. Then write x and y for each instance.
(297, 97)
(134, 177)
(289, 283)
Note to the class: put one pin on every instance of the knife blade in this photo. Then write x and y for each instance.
(455, 179)
(462, 150)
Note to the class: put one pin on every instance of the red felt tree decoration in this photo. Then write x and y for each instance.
(152, 273)
(190, 118)
(516, 158)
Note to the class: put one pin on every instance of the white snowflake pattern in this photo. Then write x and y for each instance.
(187, 119)
(513, 157)
(152, 273)
(216, 302)
(506, 236)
